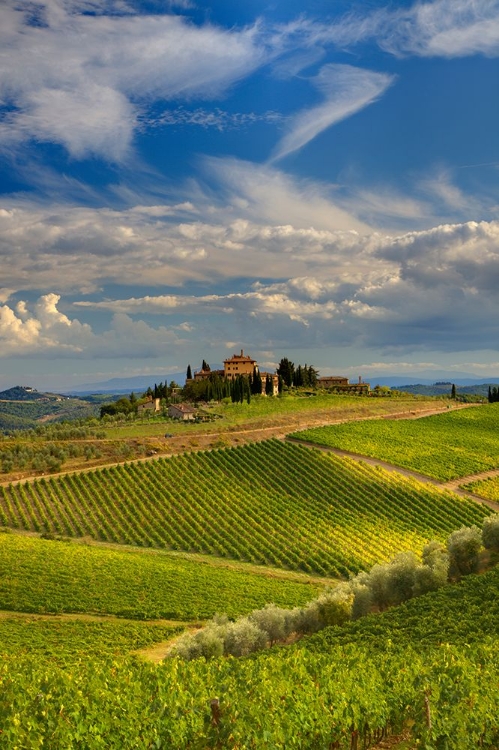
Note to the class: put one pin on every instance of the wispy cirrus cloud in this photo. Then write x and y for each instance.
(346, 90)
(443, 28)
(81, 79)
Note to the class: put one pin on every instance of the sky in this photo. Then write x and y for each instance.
(181, 180)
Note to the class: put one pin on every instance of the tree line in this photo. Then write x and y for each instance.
(385, 585)
(493, 395)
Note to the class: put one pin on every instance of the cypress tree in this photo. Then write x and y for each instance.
(189, 373)
(269, 388)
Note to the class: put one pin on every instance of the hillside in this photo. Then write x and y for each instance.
(247, 504)
(445, 389)
(24, 408)
(340, 689)
(228, 530)
(445, 446)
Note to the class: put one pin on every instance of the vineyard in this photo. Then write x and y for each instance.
(444, 446)
(436, 684)
(486, 488)
(41, 576)
(268, 503)
(62, 640)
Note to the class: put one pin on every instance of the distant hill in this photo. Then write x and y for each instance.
(24, 393)
(402, 381)
(22, 408)
(444, 389)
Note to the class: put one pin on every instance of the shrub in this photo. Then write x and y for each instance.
(273, 621)
(243, 637)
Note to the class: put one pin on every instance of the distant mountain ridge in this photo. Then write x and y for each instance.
(400, 381)
(125, 385)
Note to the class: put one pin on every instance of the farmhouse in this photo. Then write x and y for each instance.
(239, 364)
(184, 412)
(153, 405)
(337, 383)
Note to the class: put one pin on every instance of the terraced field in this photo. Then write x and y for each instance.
(444, 446)
(267, 503)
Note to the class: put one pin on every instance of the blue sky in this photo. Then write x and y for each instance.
(181, 180)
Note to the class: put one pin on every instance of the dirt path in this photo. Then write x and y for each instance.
(452, 486)
(455, 484)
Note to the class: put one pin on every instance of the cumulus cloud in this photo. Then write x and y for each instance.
(346, 90)
(80, 79)
(41, 330)
(424, 290)
(171, 244)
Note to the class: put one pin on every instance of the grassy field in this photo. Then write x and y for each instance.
(270, 503)
(444, 446)
(267, 412)
(238, 424)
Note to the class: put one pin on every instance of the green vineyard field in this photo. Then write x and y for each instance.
(270, 503)
(486, 488)
(432, 679)
(63, 640)
(42, 576)
(445, 446)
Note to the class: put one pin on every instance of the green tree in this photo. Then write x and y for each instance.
(189, 373)
(256, 382)
(286, 371)
(490, 532)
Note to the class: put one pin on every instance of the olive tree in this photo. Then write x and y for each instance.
(464, 546)
(490, 533)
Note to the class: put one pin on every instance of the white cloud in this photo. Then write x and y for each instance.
(265, 194)
(41, 330)
(432, 289)
(346, 90)
(212, 118)
(79, 78)
(443, 28)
